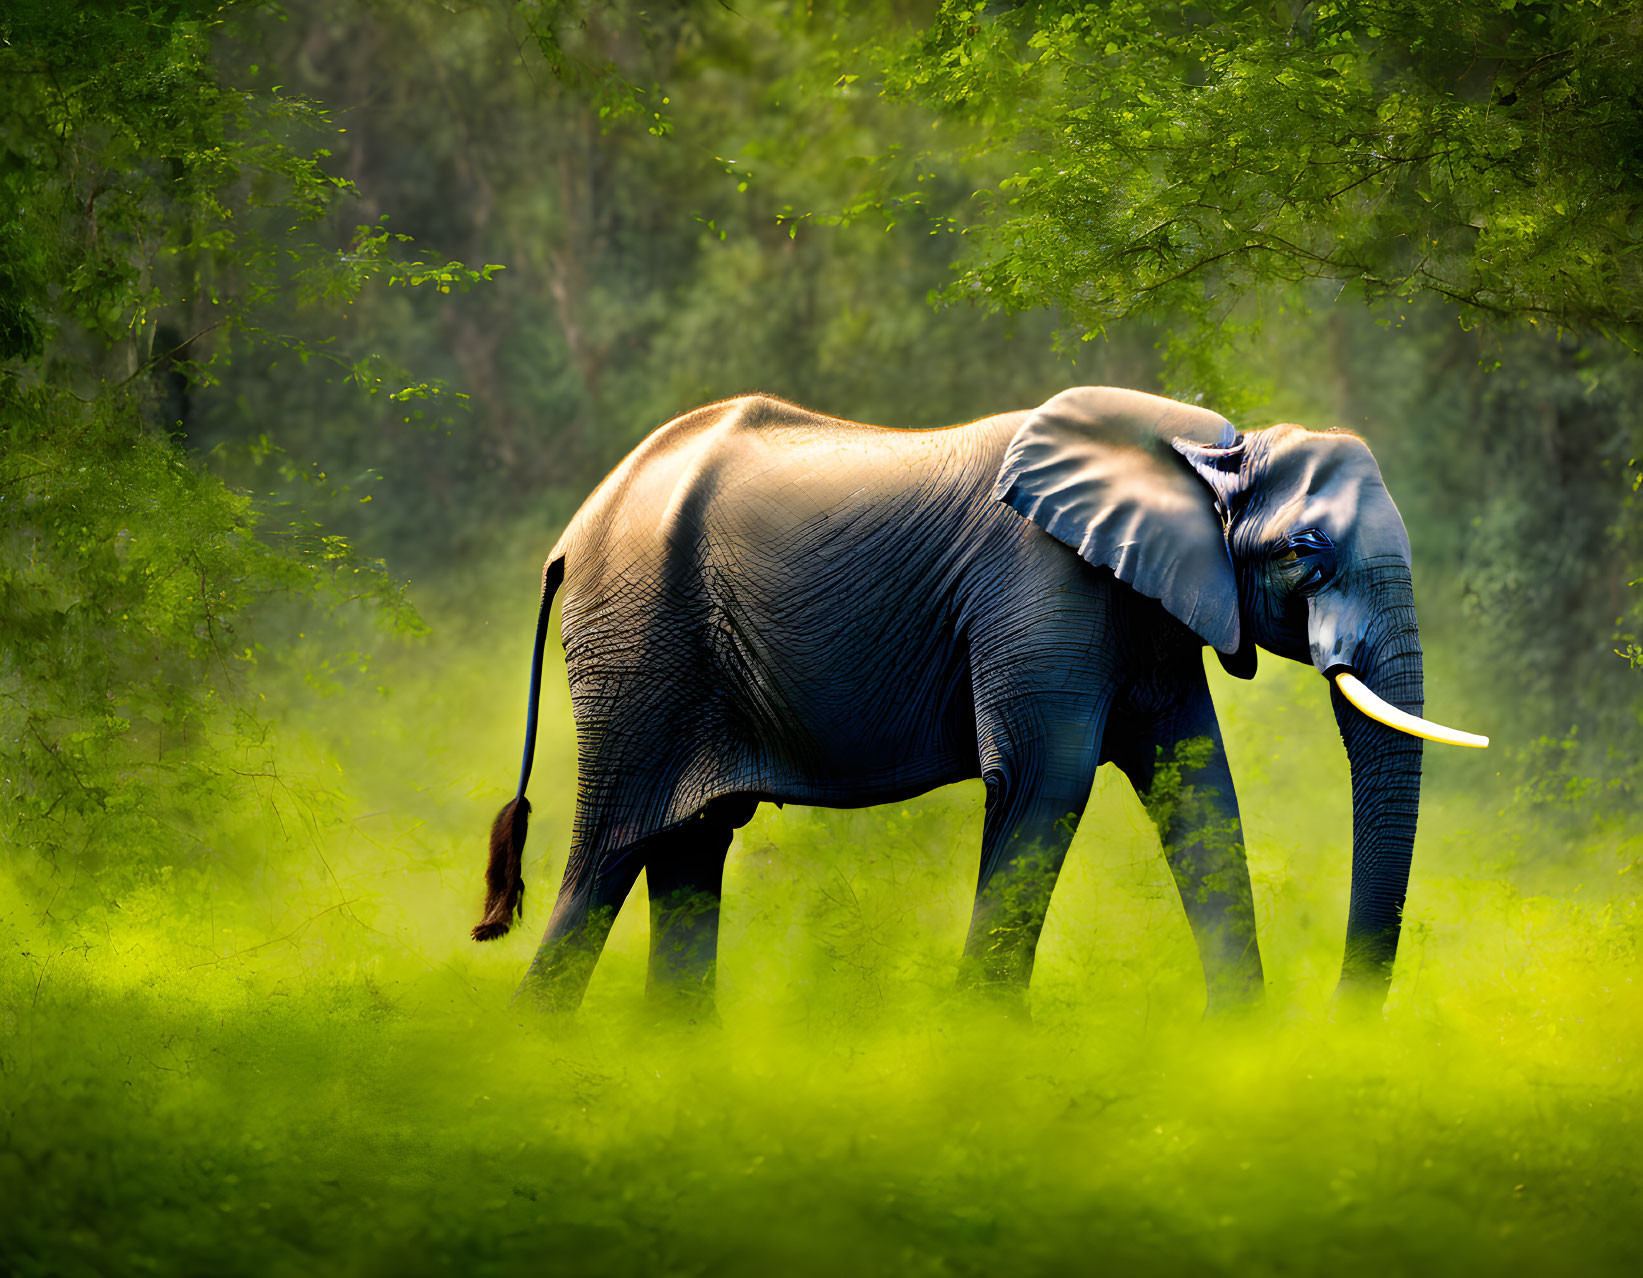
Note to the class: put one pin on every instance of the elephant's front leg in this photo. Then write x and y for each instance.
(1177, 763)
(1038, 781)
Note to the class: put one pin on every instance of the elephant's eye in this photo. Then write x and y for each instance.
(1308, 561)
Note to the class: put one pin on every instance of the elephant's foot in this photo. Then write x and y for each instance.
(995, 988)
(683, 996)
(1225, 1007)
(1360, 998)
(1234, 986)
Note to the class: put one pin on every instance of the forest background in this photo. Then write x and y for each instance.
(318, 320)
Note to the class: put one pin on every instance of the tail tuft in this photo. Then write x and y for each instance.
(504, 884)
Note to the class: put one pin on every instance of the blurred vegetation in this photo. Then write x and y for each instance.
(1488, 153)
(317, 320)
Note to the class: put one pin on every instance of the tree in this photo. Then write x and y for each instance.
(144, 205)
(1170, 159)
(642, 170)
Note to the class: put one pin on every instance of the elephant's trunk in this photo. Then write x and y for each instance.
(1386, 778)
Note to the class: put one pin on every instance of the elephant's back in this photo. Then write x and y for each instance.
(758, 469)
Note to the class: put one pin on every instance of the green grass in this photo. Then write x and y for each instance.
(284, 1057)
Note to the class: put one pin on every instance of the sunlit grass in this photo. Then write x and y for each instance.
(291, 1060)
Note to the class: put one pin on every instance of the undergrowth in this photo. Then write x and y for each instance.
(290, 1060)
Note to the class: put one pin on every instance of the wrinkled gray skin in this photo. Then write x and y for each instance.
(763, 603)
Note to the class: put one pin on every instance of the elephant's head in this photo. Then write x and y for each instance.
(1281, 538)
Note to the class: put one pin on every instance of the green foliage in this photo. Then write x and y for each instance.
(1173, 158)
(131, 174)
(598, 53)
(647, 274)
(151, 210)
(235, 1074)
(240, 1025)
(132, 588)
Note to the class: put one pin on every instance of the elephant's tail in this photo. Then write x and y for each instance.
(504, 884)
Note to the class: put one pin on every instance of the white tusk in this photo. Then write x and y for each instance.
(1353, 690)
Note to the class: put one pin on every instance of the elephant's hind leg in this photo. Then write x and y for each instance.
(590, 896)
(684, 869)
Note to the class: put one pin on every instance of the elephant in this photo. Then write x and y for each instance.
(766, 604)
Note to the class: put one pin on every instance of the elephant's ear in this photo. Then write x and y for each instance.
(1111, 473)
